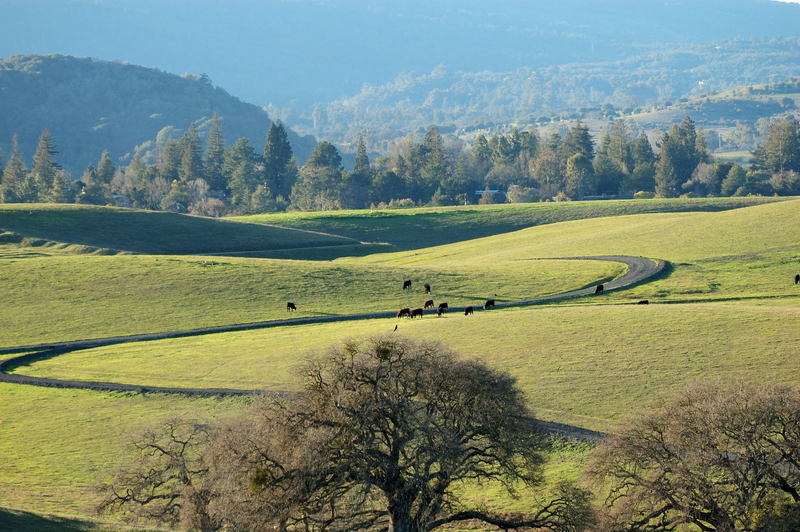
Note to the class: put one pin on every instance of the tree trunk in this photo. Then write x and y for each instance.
(400, 518)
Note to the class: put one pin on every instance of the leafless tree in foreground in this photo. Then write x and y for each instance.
(385, 433)
(721, 458)
(168, 480)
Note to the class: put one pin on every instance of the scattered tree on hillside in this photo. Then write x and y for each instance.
(721, 458)
(191, 166)
(105, 168)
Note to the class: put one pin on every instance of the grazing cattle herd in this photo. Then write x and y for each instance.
(797, 279)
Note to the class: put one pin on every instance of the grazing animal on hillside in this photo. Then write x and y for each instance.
(643, 302)
(439, 312)
(428, 304)
(797, 279)
(290, 307)
(599, 289)
(416, 312)
(443, 307)
(489, 304)
(406, 285)
(427, 288)
(404, 312)
(468, 311)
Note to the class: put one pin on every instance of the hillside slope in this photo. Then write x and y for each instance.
(150, 232)
(91, 105)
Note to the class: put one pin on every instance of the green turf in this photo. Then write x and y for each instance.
(147, 231)
(57, 443)
(586, 365)
(75, 297)
(430, 226)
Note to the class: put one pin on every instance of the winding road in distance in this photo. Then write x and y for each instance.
(640, 270)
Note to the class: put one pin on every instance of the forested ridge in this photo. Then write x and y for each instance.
(91, 105)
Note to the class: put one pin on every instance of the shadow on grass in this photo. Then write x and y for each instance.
(20, 521)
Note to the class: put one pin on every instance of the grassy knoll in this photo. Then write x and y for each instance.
(57, 443)
(586, 365)
(423, 227)
(147, 231)
(73, 297)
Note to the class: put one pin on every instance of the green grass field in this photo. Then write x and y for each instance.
(417, 228)
(111, 228)
(728, 309)
(76, 297)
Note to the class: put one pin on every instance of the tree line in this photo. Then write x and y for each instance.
(522, 166)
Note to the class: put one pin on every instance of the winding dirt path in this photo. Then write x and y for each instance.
(640, 270)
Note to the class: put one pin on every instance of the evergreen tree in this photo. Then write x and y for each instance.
(44, 167)
(608, 175)
(169, 160)
(93, 191)
(11, 190)
(734, 181)
(435, 166)
(781, 151)
(666, 177)
(481, 152)
(644, 168)
(105, 168)
(386, 186)
(280, 169)
(215, 156)
(239, 169)
(578, 141)
(642, 151)
(61, 188)
(191, 155)
(357, 183)
(579, 176)
(319, 186)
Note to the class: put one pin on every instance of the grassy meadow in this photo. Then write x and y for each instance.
(727, 309)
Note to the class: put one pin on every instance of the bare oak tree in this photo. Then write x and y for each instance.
(167, 481)
(384, 434)
(721, 458)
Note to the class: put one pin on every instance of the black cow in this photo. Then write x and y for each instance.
(406, 285)
(290, 307)
(468, 311)
(416, 312)
(489, 304)
(797, 279)
(428, 304)
(643, 302)
(599, 289)
(443, 307)
(427, 288)
(404, 312)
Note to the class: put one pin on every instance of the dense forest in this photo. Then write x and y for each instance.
(208, 178)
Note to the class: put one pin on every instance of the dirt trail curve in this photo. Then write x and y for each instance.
(640, 269)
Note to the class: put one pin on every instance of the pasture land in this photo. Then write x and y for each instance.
(105, 229)
(404, 229)
(585, 365)
(76, 297)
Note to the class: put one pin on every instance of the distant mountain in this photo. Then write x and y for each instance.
(457, 100)
(90, 105)
(295, 53)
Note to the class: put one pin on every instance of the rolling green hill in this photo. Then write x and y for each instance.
(150, 232)
(431, 226)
